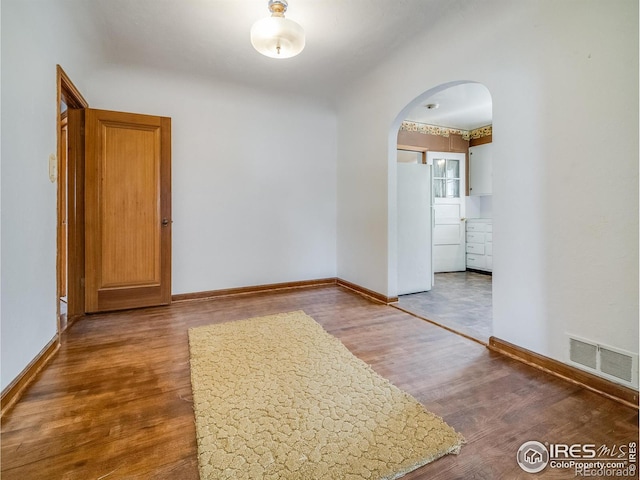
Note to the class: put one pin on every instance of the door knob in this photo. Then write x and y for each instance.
(165, 222)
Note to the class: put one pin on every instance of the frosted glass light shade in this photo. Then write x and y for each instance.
(277, 37)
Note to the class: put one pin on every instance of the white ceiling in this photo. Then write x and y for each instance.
(345, 38)
(464, 107)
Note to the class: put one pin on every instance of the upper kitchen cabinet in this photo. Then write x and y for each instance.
(481, 169)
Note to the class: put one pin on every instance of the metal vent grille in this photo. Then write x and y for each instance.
(609, 362)
(616, 364)
(583, 353)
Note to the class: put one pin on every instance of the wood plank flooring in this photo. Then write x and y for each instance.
(116, 401)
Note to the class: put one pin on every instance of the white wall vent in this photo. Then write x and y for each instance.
(584, 353)
(617, 364)
(611, 363)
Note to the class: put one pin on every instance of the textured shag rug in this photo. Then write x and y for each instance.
(278, 397)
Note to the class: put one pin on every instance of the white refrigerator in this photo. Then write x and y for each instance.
(415, 271)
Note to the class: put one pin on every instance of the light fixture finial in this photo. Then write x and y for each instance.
(278, 7)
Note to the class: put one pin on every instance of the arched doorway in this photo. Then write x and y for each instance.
(444, 139)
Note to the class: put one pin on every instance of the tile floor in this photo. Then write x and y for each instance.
(460, 301)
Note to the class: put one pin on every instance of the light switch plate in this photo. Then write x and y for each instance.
(53, 167)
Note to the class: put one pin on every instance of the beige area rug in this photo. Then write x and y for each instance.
(278, 397)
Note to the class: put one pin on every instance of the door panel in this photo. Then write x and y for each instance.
(447, 235)
(128, 210)
(448, 214)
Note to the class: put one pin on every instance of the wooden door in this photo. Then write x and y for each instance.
(127, 210)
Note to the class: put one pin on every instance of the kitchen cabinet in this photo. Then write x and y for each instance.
(481, 169)
(479, 244)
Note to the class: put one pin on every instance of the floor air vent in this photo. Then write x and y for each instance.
(612, 363)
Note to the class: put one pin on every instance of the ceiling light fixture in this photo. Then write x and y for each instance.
(276, 36)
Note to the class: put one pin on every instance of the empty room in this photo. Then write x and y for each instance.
(311, 239)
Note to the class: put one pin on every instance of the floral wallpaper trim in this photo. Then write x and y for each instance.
(481, 132)
(444, 131)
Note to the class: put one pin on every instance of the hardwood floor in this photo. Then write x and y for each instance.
(461, 301)
(116, 400)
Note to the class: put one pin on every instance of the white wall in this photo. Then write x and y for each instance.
(254, 174)
(479, 206)
(35, 36)
(254, 177)
(363, 195)
(563, 76)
